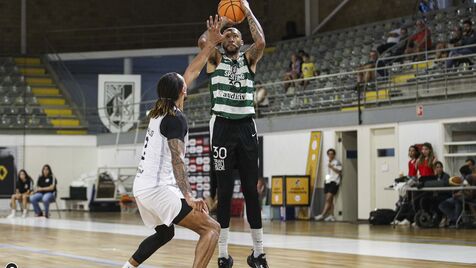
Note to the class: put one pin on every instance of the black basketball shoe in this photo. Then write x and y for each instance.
(259, 262)
(225, 263)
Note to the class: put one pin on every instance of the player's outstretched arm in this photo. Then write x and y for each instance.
(255, 52)
(214, 37)
(177, 150)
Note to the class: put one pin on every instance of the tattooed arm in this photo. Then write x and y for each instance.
(255, 52)
(177, 150)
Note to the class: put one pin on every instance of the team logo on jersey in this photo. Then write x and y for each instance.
(118, 101)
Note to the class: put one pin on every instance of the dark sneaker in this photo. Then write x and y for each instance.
(225, 263)
(259, 262)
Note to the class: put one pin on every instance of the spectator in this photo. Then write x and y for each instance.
(261, 96)
(45, 191)
(393, 37)
(468, 38)
(262, 190)
(294, 71)
(441, 175)
(403, 44)
(470, 164)
(421, 39)
(456, 36)
(441, 51)
(308, 69)
(414, 154)
(426, 163)
(331, 186)
(24, 186)
(369, 75)
(453, 206)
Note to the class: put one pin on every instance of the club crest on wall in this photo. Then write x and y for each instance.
(118, 101)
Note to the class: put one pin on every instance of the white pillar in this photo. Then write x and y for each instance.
(128, 66)
(23, 27)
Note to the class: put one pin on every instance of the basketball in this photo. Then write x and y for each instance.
(231, 9)
(456, 181)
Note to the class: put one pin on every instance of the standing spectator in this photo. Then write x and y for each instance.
(393, 37)
(414, 154)
(468, 38)
(45, 191)
(294, 71)
(421, 39)
(331, 186)
(426, 163)
(308, 69)
(24, 186)
(470, 164)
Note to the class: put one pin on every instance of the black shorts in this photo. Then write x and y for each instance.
(331, 187)
(184, 211)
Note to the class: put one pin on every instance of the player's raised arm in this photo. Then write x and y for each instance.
(214, 37)
(255, 52)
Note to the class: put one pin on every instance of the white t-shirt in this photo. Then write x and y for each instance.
(331, 175)
(391, 39)
(155, 167)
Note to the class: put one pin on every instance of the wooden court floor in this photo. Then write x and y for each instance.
(46, 247)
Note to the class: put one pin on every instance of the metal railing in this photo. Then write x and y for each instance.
(333, 92)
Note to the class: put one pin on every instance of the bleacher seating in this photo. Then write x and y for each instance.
(30, 99)
(340, 52)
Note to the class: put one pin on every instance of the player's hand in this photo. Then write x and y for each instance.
(197, 204)
(214, 35)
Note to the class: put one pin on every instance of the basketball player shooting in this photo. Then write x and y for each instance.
(233, 133)
(161, 186)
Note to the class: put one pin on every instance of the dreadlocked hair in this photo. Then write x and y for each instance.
(168, 90)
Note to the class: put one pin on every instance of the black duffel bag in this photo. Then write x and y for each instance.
(381, 216)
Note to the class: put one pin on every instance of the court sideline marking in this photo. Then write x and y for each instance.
(390, 249)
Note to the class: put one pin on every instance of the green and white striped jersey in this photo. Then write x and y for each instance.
(232, 88)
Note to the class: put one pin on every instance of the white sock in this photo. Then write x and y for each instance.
(223, 243)
(128, 265)
(257, 236)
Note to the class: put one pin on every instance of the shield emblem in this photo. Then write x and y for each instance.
(118, 101)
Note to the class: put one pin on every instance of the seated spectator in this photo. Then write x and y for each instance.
(421, 39)
(369, 75)
(441, 175)
(456, 36)
(470, 164)
(261, 98)
(393, 37)
(294, 71)
(308, 69)
(24, 186)
(453, 206)
(468, 38)
(45, 191)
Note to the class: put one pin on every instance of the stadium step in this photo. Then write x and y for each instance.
(27, 61)
(58, 112)
(65, 122)
(382, 94)
(71, 132)
(51, 101)
(44, 80)
(45, 91)
(403, 78)
(351, 109)
(32, 71)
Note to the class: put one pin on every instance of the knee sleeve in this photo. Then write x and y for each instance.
(152, 243)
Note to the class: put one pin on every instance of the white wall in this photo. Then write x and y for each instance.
(68, 156)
